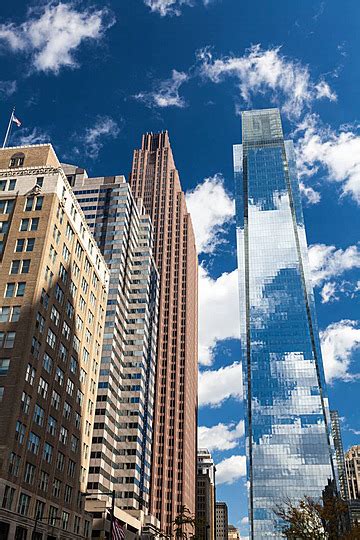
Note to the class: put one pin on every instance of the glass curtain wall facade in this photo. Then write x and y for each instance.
(123, 430)
(289, 451)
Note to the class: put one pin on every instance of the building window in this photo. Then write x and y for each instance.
(4, 365)
(29, 224)
(20, 266)
(20, 432)
(14, 464)
(33, 443)
(25, 402)
(55, 400)
(44, 481)
(24, 244)
(8, 497)
(33, 203)
(7, 206)
(7, 340)
(53, 515)
(47, 452)
(39, 415)
(59, 376)
(51, 425)
(39, 509)
(44, 299)
(29, 474)
(67, 493)
(40, 322)
(56, 488)
(60, 463)
(51, 338)
(23, 505)
(47, 362)
(65, 520)
(43, 388)
(30, 374)
(15, 289)
(17, 160)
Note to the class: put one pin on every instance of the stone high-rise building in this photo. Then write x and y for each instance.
(121, 450)
(352, 464)
(339, 454)
(205, 496)
(53, 294)
(155, 179)
(221, 520)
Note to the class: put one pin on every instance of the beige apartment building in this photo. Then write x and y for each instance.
(352, 465)
(221, 512)
(53, 295)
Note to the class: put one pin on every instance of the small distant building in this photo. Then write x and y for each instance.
(233, 533)
(352, 464)
(339, 454)
(221, 521)
(205, 499)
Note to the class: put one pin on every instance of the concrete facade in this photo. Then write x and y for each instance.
(155, 179)
(123, 432)
(205, 496)
(53, 294)
(352, 464)
(221, 511)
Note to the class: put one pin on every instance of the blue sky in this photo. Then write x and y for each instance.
(92, 79)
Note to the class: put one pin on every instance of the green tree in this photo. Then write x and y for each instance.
(315, 520)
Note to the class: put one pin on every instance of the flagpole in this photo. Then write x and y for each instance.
(8, 129)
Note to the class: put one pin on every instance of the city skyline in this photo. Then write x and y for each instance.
(127, 70)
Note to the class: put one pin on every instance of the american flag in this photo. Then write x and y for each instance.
(118, 530)
(16, 120)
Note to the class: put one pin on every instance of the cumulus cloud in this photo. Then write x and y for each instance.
(211, 208)
(230, 470)
(339, 342)
(221, 436)
(93, 139)
(328, 262)
(7, 88)
(216, 386)
(338, 153)
(309, 194)
(267, 70)
(53, 32)
(218, 312)
(165, 93)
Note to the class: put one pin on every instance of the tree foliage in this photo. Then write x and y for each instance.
(316, 520)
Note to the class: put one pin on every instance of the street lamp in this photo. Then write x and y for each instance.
(37, 519)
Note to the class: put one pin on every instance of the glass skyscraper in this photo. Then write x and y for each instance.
(289, 450)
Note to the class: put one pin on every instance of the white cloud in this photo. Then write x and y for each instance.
(172, 7)
(25, 136)
(231, 469)
(211, 208)
(215, 386)
(54, 32)
(309, 194)
(337, 152)
(166, 93)
(244, 521)
(339, 341)
(327, 262)
(221, 436)
(167, 7)
(93, 139)
(328, 292)
(7, 88)
(259, 71)
(218, 311)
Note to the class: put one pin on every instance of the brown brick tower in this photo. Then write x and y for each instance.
(155, 179)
